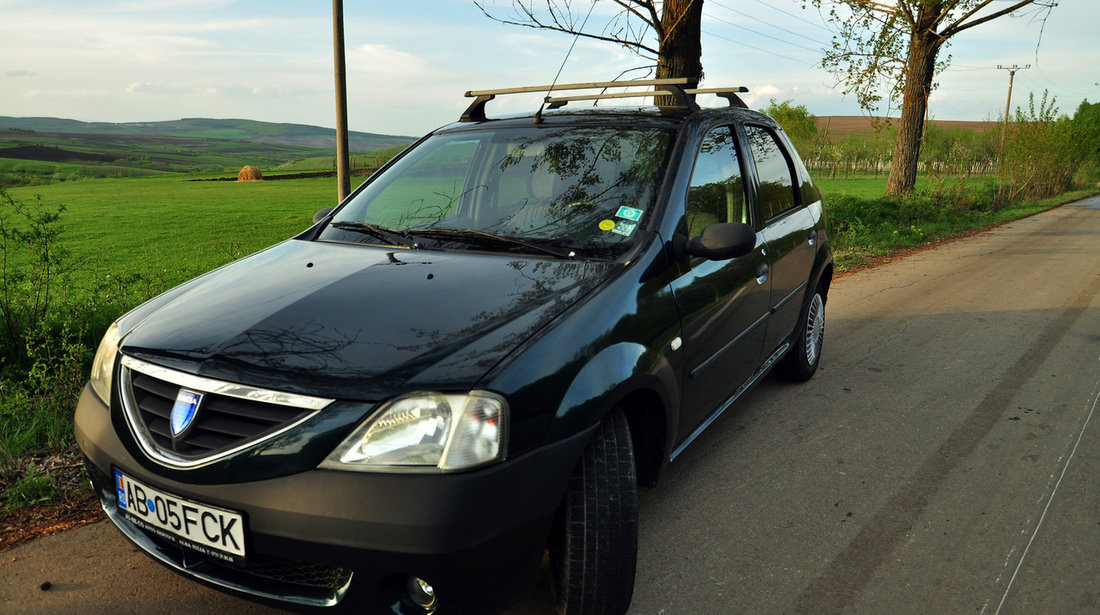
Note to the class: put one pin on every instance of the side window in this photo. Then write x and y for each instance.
(717, 193)
(777, 189)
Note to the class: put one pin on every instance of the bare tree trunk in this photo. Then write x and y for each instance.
(920, 68)
(680, 49)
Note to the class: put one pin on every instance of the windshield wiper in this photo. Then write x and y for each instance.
(381, 232)
(483, 236)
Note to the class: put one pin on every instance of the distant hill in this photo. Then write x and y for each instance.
(299, 135)
(840, 126)
(35, 150)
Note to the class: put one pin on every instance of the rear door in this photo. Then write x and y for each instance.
(786, 227)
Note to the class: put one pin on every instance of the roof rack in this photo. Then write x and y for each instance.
(683, 97)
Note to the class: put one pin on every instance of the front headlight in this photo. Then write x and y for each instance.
(427, 431)
(103, 366)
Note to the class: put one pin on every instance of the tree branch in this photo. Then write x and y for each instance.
(907, 12)
(558, 25)
(634, 11)
(959, 26)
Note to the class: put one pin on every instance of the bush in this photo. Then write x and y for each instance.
(43, 351)
(1040, 158)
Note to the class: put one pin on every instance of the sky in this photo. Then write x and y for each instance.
(409, 62)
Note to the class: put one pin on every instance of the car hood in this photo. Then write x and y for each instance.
(358, 322)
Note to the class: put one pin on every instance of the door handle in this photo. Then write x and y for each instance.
(762, 274)
(813, 236)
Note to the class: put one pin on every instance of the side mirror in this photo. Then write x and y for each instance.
(723, 241)
(321, 215)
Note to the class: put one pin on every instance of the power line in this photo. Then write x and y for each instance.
(767, 51)
(766, 23)
(764, 35)
(775, 8)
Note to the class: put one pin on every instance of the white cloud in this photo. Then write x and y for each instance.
(157, 88)
(385, 61)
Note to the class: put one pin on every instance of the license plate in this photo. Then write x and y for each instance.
(210, 530)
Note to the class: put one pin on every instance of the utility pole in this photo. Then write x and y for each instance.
(1008, 104)
(343, 180)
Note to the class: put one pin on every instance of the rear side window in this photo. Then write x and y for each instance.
(717, 193)
(777, 186)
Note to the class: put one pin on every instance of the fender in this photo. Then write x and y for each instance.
(610, 376)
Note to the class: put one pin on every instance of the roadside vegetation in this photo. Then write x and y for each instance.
(74, 255)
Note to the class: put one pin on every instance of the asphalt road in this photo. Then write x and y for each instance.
(944, 459)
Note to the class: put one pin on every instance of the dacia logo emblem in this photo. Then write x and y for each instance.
(184, 411)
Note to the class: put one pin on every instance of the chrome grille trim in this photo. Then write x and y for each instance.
(229, 389)
(145, 438)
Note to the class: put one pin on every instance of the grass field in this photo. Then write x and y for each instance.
(169, 223)
(164, 230)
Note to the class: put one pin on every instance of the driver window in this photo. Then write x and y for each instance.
(717, 193)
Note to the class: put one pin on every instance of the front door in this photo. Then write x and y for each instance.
(723, 304)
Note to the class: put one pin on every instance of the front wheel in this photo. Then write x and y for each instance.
(808, 337)
(594, 548)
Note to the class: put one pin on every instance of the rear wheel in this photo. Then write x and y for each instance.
(594, 548)
(809, 336)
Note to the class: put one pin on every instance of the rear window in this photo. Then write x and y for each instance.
(777, 193)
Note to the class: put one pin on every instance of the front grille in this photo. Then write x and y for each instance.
(230, 417)
(221, 423)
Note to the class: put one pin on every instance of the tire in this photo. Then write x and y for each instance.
(802, 360)
(594, 547)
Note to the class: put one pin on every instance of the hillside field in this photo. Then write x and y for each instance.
(36, 151)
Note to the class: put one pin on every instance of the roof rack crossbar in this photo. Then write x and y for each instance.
(730, 94)
(580, 86)
(565, 99)
(684, 97)
(476, 111)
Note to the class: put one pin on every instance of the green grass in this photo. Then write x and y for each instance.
(871, 187)
(864, 225)
(170, 225)
(372, 160)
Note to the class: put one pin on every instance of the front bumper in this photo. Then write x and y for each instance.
(351, 540)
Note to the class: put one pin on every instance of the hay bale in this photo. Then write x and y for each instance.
(250, 174)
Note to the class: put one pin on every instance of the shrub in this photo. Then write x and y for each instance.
(42, 329)
(1039, 159)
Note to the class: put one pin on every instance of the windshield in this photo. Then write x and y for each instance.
(583, 190)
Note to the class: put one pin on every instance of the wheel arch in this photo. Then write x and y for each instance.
(643, 385)
(647, 417)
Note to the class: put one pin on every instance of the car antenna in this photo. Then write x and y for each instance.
(538, 114)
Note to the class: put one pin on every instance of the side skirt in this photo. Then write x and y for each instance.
(760, 373)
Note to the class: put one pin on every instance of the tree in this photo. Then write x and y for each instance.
(897, 42)
(798, 122)
(674, 24)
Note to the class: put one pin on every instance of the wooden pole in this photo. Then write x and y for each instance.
(343, 179)
(1008, 103)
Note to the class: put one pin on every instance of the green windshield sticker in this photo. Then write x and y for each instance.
(625, 228)
(629, 213)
